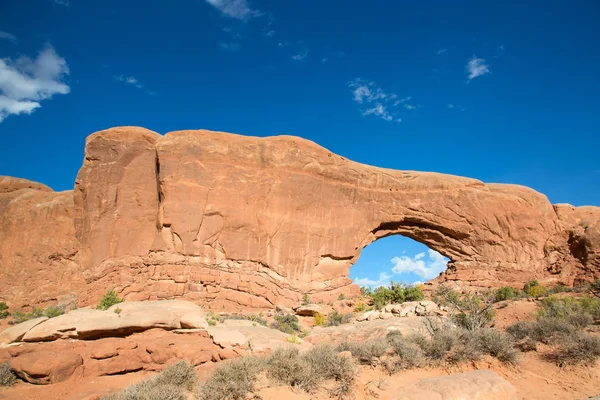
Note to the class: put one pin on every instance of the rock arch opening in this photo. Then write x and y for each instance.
(397, 258)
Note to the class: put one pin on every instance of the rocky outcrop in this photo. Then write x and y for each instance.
(241, 222)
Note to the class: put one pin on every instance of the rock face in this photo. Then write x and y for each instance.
(254, 222)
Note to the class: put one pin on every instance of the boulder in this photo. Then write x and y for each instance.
(308, 310)
(474, 385)
(44, 367)
(226, 337)
(16, 332)
(135, 316)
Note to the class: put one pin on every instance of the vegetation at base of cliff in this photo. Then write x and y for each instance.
(109, 299)
(336, 318)
(4, 310)
(7, 378)
(50, 312)
(287, 323)
(470, 311)
(395, 293)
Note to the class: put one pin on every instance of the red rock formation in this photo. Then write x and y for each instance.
(248, 221)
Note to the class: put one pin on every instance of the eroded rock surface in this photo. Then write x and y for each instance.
(257, 222)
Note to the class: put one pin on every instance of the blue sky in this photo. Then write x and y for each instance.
(502, 91)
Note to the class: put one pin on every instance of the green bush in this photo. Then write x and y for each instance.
(3, 310)
(577, 311)
(110, 299)
(505, 293)
(233, 380)
(594, 288)
(341, 296)
(7, 378)
(20, 316)
(286, 323)
(534, 289)
(469, 310)
(257, 318)
(394, 294)
(336, 318)
(171, 384)
(54, 311)
(306, 300)
(544, 330)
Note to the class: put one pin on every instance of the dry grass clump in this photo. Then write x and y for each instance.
(7, 378)
(171, 384)
(367, 352)
(232, 380)
(580, 348)
(307, 371)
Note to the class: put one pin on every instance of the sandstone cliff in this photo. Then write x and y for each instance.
(236, 220)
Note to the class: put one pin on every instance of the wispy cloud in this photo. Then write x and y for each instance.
(8, 36)
(441, 51)
(425, 268)
(377, 101)
(25, 82)
(270, 33)
(300, 55)
(65, 3)
(230, 46)
(238, 9)
(133, 81)
(384, 280)
(456, 107)
(477, 67)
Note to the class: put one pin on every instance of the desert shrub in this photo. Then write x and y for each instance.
(342, 296)
(307, 371)
(468, 310)
(367, 352)
(257, 318)
(505, 293)
(306, 300)
(286, 323)
(441, 343)
(319, 319)
(495, 343)
(336, 318)
(54, 311)
(3, 310)
(577, 311)
(534, 289)
(171, 384)
(406, 353)
(212, 318)
(7, 378)
(544, 330)
(109, 299)
(232, 380)
(580, 348)
(181, 375)
(20, 316)
(594, 288)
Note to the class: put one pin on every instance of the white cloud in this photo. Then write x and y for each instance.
(25, 82)
(130, 80)
(270, 33)
(426, 269)
(8, 36)
(477, 67)
(65, 3)
(238, 9)
(379, 102)
(501, 47)
(456, 107)
(384, 280)
(300, 56)
(441, 51)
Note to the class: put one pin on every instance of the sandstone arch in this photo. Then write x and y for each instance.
(251, 221)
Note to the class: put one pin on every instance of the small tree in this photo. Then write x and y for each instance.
(110, 299)
(306, 300)
(469, 310)
(594, 288)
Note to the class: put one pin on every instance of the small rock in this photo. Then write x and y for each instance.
(309, 310)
